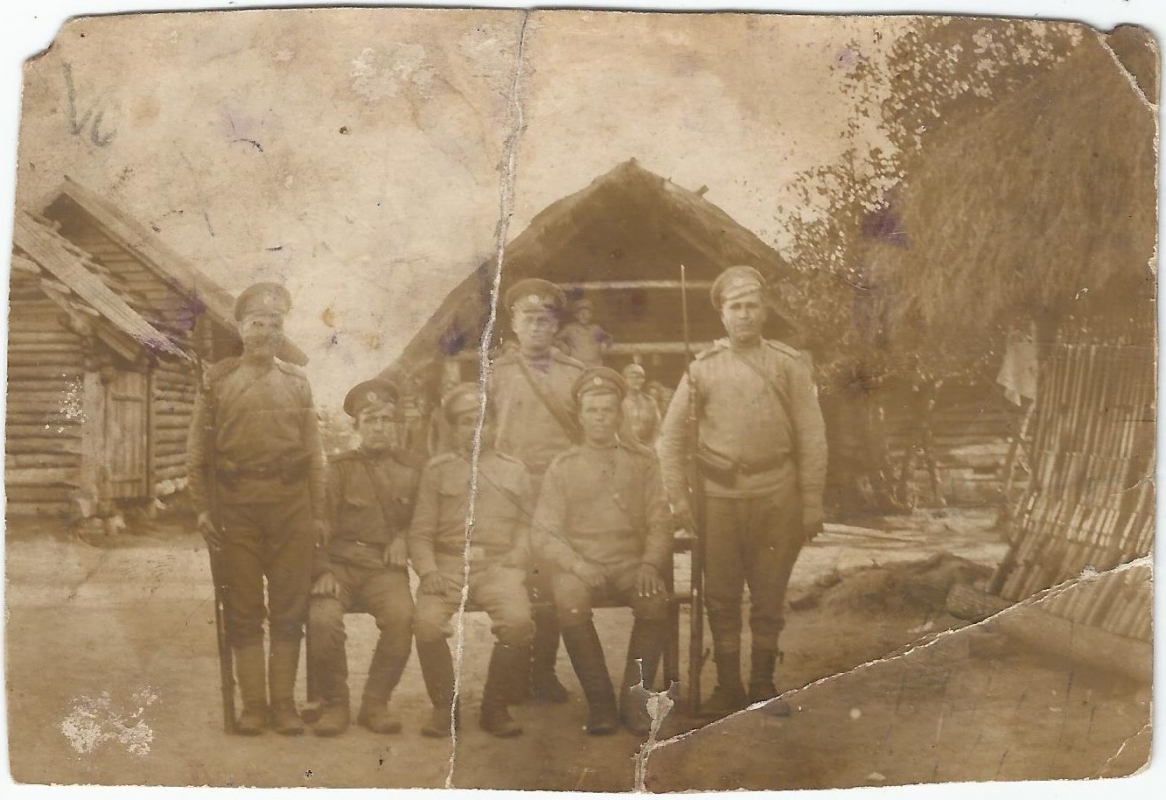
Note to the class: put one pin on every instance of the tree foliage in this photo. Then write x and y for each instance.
(934, 81)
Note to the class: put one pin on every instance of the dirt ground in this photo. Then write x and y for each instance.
(113, 679)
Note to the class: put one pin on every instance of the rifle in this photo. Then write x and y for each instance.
(219, 579)
(696, 651)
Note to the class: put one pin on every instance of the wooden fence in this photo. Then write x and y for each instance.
(1090, 505)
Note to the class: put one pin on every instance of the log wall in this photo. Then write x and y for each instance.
(42, 450)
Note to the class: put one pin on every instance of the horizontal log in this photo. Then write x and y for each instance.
(28, 339)
(172, 423)
(71, 359)
(174, 409)
(38, 372)
(68, 430)
(171, 459)
(169, 473)
(44, 416)
(17, 509)
(172, 436)
(38, 494)
(16, 445)
(41, 476)
(65, 397)
(29, 460)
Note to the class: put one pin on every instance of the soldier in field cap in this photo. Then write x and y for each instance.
(364, 565)
(760, 451)
(602, 520)
(641, 415)
(582, 338)
(529, 390)
(256, 473)
(497, 553)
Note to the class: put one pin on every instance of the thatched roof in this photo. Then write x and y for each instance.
(627, 224)
(1047, 199)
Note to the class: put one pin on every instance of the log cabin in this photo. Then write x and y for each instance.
(108, 332)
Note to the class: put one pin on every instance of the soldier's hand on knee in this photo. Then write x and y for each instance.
(396, 553)
(591, 575)
(432, 583)
(208, 531)
(326, 586)
(648, 581)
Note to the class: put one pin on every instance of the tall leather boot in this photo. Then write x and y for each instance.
(437, 671)
(384, 672)
(544, 683)
(281, 679)
(761, 685)
(644, 651)
(729, 694)
(507, 668)
(251, 674)
(586, 652)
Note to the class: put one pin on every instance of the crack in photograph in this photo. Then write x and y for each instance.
(581, 400)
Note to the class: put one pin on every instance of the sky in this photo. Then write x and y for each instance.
(358, 155)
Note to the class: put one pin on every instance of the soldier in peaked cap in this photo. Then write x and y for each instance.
(497, 554)
(263, 298)
(641, 415)
(530, 391)
(761, 458)
(582, 338)
(256, 473)
(363, 567)
(602, 520)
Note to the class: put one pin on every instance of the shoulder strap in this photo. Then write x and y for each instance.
(561, 415)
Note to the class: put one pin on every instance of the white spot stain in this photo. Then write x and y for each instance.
(93, 721)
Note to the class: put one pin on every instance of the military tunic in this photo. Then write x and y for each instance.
(255, 463)
(497, 550)
(755, 511)
(604, 506)
(370, 499)
(524, 427)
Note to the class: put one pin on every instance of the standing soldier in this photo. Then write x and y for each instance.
(582, 339)
(497, 554)
(760, 450)
(257, 480)
(602, 519)
(641, 415)
(364, 566)
(530, 390)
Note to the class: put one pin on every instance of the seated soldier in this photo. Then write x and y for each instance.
(363, 567)
(603, 521)
(496, 554)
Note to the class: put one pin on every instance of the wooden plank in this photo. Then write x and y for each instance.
(42, 444)
(41, 476)
(17, 509)
(27, 460)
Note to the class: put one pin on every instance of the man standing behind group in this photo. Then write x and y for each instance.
(641, 415)
(256, 474)
(364, 566)
(497, 553)
(530, 392)
(760, 450)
